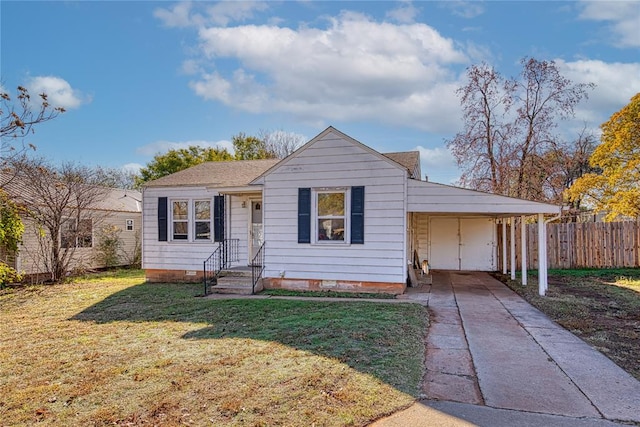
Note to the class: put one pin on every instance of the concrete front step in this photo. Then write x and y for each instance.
(235, 285)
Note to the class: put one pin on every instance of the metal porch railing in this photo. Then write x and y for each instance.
(257, 268)
(220, 259)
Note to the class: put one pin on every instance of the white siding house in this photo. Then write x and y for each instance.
(335, 214)
(119, 210)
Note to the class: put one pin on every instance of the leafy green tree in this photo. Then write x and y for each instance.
(616, 190)
(11, 229)
(250, 148)
(11, 226)
(178, 159)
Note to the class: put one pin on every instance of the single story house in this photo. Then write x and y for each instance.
(118, 210)
(334, 215)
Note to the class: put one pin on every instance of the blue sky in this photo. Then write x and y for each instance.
(138, 78)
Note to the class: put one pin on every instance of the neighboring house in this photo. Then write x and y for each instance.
(335, 214)
(119, 210)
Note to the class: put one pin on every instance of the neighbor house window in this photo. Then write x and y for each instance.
(180, 219)
(129, 225)
(330, 215)
(76, 234)
(202, 221)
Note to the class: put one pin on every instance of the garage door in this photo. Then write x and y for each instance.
(461, 244)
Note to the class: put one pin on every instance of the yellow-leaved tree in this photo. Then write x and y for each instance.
(616, 189)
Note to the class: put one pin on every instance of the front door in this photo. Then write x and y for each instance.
(256, 232)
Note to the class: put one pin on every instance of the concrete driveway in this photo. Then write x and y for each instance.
(492, 359)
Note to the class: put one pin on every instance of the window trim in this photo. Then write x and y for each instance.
(191, 220)
(315, 218)
(174, 221)
(196, 221)
(77, 236)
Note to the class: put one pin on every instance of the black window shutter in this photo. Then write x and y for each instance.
(218, 218)
(304, 215)
(357, 215)
(162, 219)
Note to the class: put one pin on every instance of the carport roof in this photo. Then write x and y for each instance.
(436, 198)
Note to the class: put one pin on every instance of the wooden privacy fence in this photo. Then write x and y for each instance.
(580, 245)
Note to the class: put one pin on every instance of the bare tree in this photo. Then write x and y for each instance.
(566, 161)
(543, 97)
(509, 127)
(117, 178)
(482, 147)
(281, 143)
(18, 118)
(61, 202)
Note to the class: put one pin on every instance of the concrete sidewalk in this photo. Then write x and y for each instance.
(493, 359)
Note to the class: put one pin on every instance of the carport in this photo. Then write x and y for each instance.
(457, 229)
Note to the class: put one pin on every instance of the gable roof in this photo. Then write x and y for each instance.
(398, 156)
(234, 173)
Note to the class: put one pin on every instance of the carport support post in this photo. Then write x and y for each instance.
(512, 222)
(504, 246)
(542, 255)
(523, 249)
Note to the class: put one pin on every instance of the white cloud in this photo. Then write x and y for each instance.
(224, 12)
(438, 165)
(615, 83)
(59, 91)
(184, 14)
(354, 69)
(161, 147)
(464, 9)
(132, 167)
(180, 15)
(623, 16)
(405, 13)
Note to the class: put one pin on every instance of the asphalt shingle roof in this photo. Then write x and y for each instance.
(238, 173)
(235, 173)
(408, 159)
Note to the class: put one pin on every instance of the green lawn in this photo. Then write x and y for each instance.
(601, 306)
(114, 350)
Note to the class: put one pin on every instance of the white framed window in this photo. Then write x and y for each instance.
(330, 215)
(129, 225)
(76, 233)
(202, 220)
(180, 219)
(191, 220)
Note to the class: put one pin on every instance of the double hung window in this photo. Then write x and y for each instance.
(191, 220)
(330, 215)
(180, 219)
(76, 233)
(202, 219)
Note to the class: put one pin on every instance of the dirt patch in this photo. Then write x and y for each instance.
(594, 308)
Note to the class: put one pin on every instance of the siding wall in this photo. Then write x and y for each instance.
(332, 161)
(30, 257)
(188, 256)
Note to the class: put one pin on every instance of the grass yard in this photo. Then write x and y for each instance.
(600, 306)
(113, 350)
